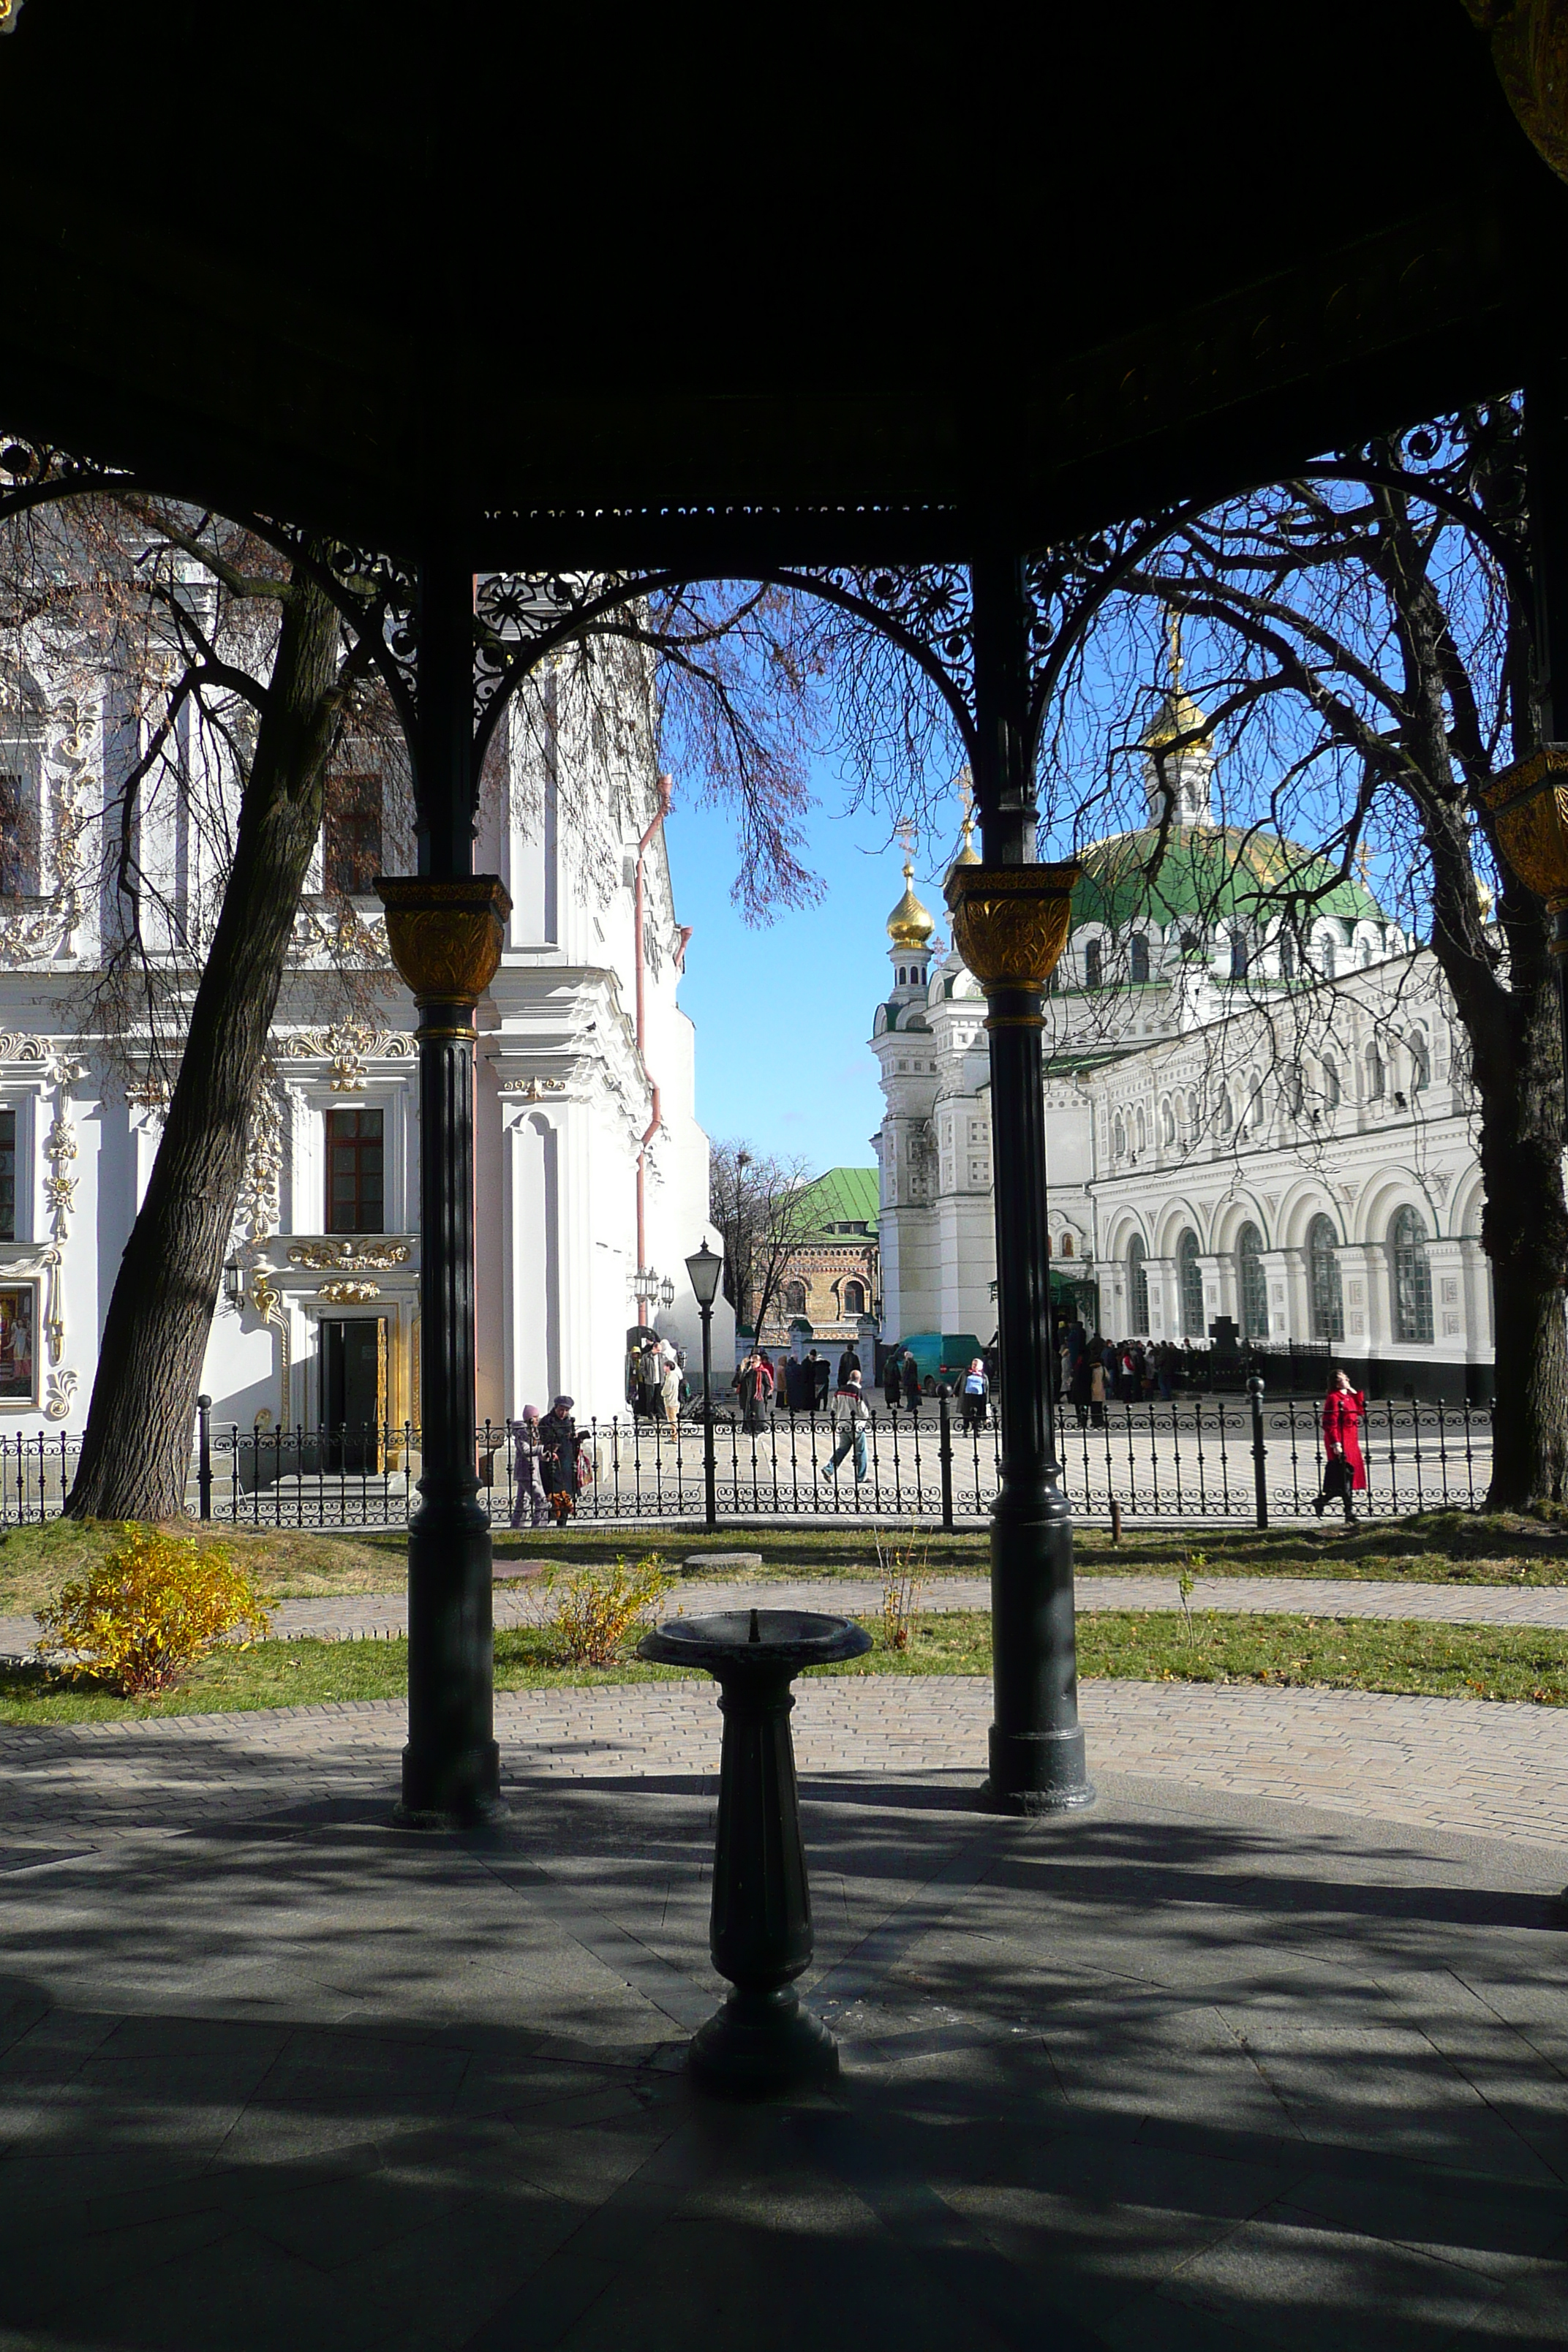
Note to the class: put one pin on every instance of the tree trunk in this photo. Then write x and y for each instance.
(1525, 1231)
(136, 1449)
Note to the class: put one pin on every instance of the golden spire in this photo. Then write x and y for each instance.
(968, 855)
(1178, 715)
(909, 925)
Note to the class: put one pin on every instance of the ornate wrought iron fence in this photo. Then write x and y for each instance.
(1201, 1459)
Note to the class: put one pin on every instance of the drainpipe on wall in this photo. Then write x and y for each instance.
(661, 812)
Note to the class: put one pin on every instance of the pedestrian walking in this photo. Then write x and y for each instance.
(850, 1403)
(529, 1503)
(892, 1383)
(1080, 1387)
(977, 1389)
(1344, 1467)
(911, 1383)
(670, 1392)
(1097, 1390)
(847, 1362)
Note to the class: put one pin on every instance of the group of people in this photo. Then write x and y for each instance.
(550, 1464)
(1094, 1370)
(655, 1378)
(803, 1382)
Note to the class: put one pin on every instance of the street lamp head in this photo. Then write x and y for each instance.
(705, 1266)
(667, 1294)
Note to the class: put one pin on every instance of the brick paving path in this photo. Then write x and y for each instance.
(1480, 1769)
(384, 1616)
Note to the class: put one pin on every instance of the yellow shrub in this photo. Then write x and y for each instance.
(149, 1610)
(596, 1610)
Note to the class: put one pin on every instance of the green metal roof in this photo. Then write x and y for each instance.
(844, 1196)
(1207, 872)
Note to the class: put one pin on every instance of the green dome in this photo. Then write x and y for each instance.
(1207, 873)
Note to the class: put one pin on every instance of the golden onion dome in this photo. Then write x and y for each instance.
(1179, 720)
(909, 925)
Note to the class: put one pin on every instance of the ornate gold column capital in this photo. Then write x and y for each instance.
(445, 937)
(1529, 52)
(1529, 804)
(1010, 922)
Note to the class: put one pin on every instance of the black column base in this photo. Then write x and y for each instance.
(1037, 1772)
(1037, 1747)
(451, 1765)
(761, 2044)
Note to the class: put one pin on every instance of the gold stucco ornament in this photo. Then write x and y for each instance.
(1529, 804)
(445, 937)
(1530, 51)
(1010, 922)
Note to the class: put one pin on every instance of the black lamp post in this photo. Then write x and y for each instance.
(705, 1266)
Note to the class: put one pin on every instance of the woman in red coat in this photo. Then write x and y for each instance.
(1344, 1471)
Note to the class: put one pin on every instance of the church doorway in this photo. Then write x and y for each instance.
(354, 1391)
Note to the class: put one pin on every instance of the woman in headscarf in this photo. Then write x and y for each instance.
(530, 1505)
(563, 1466)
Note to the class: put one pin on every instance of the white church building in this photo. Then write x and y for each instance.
(591, 1171)
(1248, 1115)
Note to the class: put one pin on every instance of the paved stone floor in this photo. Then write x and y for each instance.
(384, 1616)
(1195, 2068)
(1494, 1771)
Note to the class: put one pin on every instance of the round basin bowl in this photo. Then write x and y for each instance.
(754, 1641)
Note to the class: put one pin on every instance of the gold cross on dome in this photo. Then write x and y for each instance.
(1173, 631)
(905, 832)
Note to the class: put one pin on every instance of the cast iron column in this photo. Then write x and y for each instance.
(445, 930)
(1010, 921)
(709, 1491)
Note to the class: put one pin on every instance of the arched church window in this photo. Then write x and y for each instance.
(1226, 1116)
(1092, 964)
(1119, 1136)
(853, 1298)
(1331, 1082)
(1420, 1061)
(794, 1297)
(1331, 960)
(1239, 958)
(1167, 1124)
(1287, 956)
(1374, 1075)
(21, 775)
(1411, 1278)
(1067, 1246)
(1142, 1130)
(1137, 1285)
(1323, 1269)
(1190, 1275)
(1139, 958)
(1254, 1102)
(1253, 1283)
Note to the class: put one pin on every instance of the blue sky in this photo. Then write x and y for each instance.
(782, 1013)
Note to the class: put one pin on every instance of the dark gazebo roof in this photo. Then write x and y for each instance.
(377, 268)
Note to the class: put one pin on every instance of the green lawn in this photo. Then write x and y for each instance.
(1439, 1661)
(1433, 1547)
(1436, 1548)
